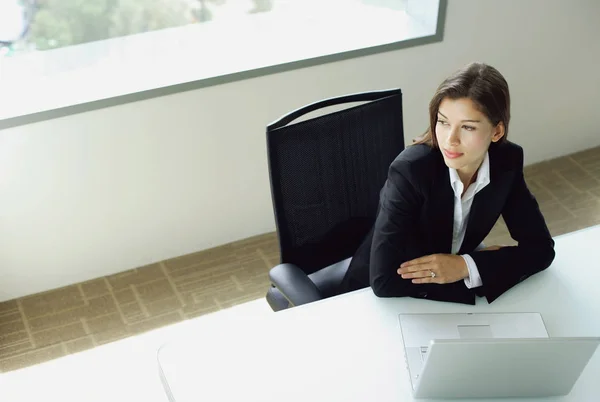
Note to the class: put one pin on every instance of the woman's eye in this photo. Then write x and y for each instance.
(469, 128)
(442, 122)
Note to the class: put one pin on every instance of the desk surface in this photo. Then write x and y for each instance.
(349, 348)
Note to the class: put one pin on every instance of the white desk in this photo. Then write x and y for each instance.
(349, 348)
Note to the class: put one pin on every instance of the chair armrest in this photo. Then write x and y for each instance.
(294, 284)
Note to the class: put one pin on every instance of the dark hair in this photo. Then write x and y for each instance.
(483, 85)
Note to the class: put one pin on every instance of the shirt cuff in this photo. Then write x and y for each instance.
(474, 279)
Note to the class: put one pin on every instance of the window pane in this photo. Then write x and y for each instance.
(79, 51)
(61, 23)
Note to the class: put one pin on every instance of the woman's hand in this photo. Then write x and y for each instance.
(435, 268)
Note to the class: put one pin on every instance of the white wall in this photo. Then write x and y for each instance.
(105, 191)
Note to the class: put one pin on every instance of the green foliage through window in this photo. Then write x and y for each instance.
(59, 23)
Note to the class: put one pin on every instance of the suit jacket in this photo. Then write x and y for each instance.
(415, 218)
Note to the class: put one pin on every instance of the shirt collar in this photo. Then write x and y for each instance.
(483, 177)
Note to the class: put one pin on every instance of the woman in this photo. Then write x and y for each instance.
(444, 194)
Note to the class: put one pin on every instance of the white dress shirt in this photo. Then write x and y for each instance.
(462, 208)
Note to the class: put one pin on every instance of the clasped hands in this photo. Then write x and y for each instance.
(446, 268)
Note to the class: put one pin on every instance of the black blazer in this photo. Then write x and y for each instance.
(415, 218)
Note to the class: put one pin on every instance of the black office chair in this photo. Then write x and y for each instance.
(326, 174)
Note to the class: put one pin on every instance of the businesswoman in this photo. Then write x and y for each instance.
(443, 195)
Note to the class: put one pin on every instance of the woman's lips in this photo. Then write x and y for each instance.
(452, 155)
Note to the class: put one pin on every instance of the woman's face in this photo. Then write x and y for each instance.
(464, 134)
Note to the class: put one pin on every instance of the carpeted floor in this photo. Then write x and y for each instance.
(45, 326)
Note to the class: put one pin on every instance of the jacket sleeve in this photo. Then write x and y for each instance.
(393, 234)
(502, 269)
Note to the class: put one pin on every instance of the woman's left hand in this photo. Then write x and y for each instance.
(446, 268)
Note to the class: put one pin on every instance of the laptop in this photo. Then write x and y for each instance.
(492, 355)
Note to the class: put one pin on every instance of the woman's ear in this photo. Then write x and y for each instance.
(498, 132)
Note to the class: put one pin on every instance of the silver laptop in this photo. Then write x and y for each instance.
(490, 356)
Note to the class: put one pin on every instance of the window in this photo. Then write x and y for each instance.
(80, 51)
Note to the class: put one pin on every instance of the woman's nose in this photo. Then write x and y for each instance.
(453, 137)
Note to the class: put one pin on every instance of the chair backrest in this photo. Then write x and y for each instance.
(326, 174)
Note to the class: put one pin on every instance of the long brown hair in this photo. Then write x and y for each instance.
(483, 85)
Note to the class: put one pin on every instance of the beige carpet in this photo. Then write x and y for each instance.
(78, 317)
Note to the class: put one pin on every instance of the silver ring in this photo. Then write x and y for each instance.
(432, 274)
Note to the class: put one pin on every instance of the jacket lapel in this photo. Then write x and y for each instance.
(479, 215)
(487, 204)
(441, 211)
